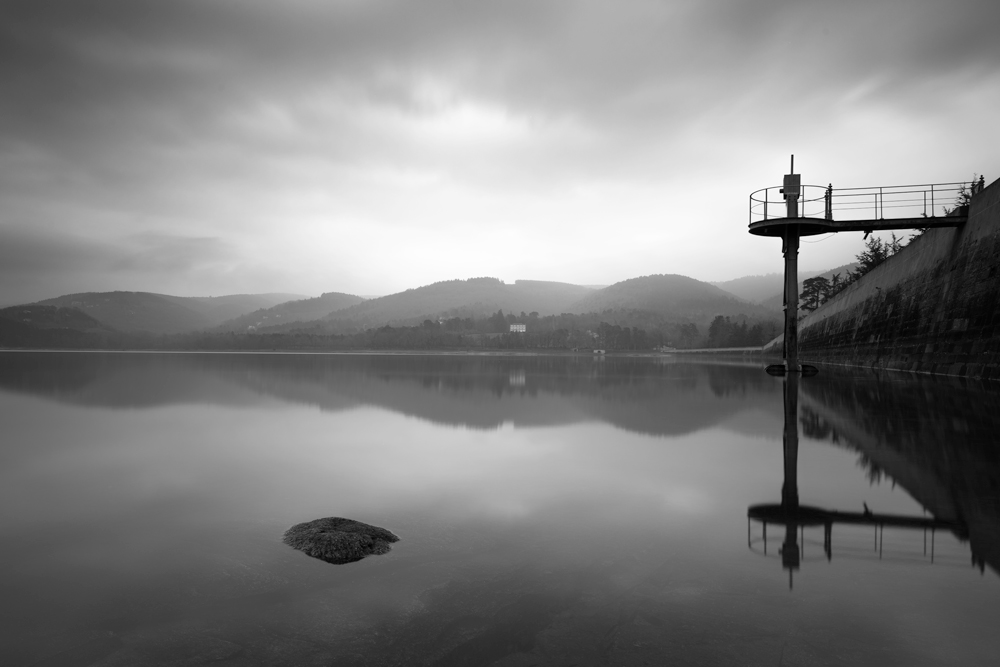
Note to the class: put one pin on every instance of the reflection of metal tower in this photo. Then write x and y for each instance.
(796, 518)
(790, 554)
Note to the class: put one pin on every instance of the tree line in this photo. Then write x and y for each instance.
(725, 332)
(817, 291)
(611, 330)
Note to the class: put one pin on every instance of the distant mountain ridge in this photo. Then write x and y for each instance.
(672, 298)
(301, 310)
(754, 288)
(162, 313)
(667, 295)
(649, 300)
(769, 289)
(474, 297)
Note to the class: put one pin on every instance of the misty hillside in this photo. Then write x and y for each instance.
(475, 297)
(52, 317)
(753, 288)
(34, 326)
(671, 296)
(221, 308)
(302, 310)
(161, 313)
(777, 299)
(661, 297)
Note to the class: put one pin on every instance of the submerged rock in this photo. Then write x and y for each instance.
(338, 540)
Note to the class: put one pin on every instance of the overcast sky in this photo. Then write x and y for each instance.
(361, 146)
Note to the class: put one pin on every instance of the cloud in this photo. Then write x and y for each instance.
(23, 252)
(162, 252)
(34, 263)
(89, 76)
(267, 126)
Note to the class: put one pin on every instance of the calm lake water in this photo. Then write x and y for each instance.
(551, 510)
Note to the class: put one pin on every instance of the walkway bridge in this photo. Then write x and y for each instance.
(823, 209)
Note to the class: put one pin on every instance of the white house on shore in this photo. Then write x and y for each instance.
(518, 328)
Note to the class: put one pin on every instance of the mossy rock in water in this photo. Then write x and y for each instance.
(338, 540)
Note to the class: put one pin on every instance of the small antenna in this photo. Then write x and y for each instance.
(792, 171)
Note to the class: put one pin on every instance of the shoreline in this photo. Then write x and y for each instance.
(404, 352)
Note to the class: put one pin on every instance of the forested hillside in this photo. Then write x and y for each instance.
(302, 310)
(674, 297)
(638, 314)
(162, 313)
(475, 297)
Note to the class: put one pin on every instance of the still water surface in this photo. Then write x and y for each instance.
(551, 510)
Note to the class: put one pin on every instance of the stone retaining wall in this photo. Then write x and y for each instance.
(932, 307)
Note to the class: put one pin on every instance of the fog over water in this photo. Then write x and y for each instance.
(550, 510)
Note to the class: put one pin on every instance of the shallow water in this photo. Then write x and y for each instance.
(551, 510)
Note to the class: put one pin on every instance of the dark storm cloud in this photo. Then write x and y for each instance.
(94, 76)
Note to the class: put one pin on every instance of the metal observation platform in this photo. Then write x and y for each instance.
(816, 209)
(793, 210)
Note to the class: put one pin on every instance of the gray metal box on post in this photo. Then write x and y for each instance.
(791, 189)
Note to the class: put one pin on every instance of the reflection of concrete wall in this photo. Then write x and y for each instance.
(921, 482)
(931, 308)
(935, 437)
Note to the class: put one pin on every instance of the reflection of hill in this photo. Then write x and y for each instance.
(117, 380)
(637, 394)
(936, 438)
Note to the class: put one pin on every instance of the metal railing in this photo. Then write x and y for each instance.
(874, 203)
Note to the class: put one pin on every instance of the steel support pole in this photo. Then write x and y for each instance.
(791, 251)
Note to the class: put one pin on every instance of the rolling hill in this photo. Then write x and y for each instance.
(665, 297)
(161, 313)
(52, 317)
(34, 326)
(672, 297)
(475, 297)
(754, 289)
(656, 298)
(302, 310)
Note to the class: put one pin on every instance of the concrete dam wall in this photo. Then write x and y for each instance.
(932, 307)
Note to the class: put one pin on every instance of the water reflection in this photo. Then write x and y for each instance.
(934, 437)
(658, 397)
(143, 498)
